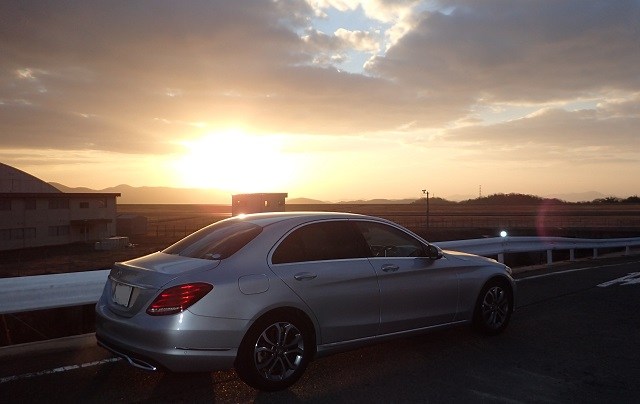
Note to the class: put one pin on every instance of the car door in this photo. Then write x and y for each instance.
(325, 263)
(415, 291)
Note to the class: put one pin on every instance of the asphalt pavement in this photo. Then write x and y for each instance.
(574, 338)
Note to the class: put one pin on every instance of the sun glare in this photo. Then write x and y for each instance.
(237, 162)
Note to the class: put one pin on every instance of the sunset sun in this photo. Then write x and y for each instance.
(235, 161)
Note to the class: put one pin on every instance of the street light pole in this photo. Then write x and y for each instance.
(425, 192)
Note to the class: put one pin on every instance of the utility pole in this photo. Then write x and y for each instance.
(425, 192)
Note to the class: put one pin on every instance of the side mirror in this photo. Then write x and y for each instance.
(433, 252)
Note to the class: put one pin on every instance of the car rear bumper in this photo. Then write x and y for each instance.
(181, 343)
(176, 360)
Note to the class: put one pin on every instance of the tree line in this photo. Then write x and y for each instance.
(525, 199)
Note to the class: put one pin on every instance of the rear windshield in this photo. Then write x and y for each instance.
(217, 241)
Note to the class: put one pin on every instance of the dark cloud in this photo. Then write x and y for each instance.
(582, 137)
(520, 50)
(127, 64)
(136, 77)
(27, 126)
(140, 33)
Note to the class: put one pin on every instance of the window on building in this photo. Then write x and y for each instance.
(17, 234)
(30, 204)
(59, 203)
(84, 205)
(5, 204)
(57, 231)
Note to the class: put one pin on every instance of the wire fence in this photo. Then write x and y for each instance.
(180, 227)
(178, 224)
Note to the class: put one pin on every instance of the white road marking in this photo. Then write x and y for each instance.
(57, 370)
(632, 279)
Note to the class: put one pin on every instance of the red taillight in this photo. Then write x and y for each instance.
(178, 298)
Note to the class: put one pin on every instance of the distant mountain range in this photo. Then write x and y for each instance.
(304, 201)
(168, 195)
(158, 195)
(578, 196)
(379, 202)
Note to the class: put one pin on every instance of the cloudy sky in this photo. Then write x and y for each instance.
(326, 99)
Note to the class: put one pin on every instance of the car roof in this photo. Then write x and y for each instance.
(265, 219)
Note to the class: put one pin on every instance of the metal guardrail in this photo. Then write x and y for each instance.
(41, 292)
(503, 245)
(79, 288)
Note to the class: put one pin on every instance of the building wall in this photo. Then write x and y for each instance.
(99, 214)
(257, 203)
(35, 220)
(34, 213)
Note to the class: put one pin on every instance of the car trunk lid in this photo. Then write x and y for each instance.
(133, 284)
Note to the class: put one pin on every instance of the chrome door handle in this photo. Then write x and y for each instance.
(390, 268)
(304, 276)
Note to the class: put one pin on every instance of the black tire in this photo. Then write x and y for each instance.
(493, 308)
(275, 352)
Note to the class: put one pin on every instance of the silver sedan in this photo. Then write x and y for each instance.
(267, 293)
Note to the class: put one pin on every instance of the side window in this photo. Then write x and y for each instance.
(387, 241)
(321, 241)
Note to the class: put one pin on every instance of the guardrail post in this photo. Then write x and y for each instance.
(501, 258)
(627, 250)
(6, 329)
(595, 253)
(549, 257)
(572, 255)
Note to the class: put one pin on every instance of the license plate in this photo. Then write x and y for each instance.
(122, 294)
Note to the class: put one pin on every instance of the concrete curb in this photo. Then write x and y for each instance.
(72, 342)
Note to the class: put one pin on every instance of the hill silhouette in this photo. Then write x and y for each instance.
(159, 195)
(169, 195)
(510, 199)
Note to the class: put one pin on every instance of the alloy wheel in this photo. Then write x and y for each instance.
(495, 307)
(279, 351)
